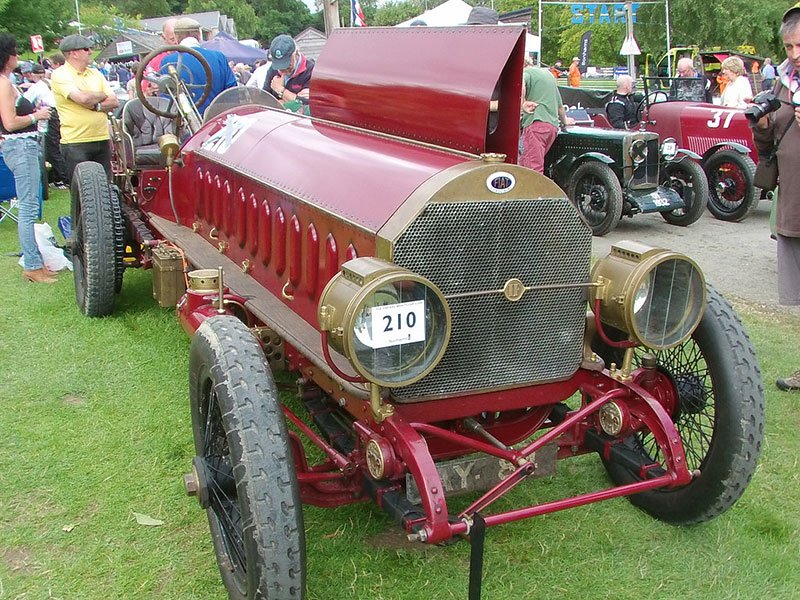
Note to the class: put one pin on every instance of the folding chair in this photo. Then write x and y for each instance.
(8, 193)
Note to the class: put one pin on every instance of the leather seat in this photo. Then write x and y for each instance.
(143, 129)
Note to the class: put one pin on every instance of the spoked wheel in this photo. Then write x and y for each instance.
(244, 471)
(731, 195)
(596, 192)
(688, 179)
(719, 415)
(96, 240)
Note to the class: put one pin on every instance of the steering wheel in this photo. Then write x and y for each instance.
(653, 97)
(168, 81)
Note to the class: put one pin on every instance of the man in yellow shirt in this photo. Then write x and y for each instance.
(83, 99)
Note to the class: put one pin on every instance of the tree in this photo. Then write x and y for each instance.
(392, 13)
(241, 12)
(47, 18)
(143, 8)
(280, 16)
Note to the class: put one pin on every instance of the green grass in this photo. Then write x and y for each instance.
(95, 426)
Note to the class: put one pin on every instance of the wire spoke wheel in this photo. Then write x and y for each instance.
(695, 414)
(689, 181)
(243, 468)
(596, 191)
(718, 413)
(732, 195)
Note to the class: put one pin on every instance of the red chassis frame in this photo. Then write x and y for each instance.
(416, 436)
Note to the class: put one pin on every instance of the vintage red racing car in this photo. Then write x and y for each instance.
(437, 302)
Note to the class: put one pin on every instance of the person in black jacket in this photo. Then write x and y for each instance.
(621, 109)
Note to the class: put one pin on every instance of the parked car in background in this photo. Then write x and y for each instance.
(720, 135)
(611, 173)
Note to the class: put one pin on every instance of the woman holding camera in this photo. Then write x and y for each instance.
(782, 126)
(18, 127)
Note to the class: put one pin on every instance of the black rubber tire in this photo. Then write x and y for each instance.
(596, 191)
(734, 172)
(720, 419)
(689, 180)
(94, 239)
(239, 430)
(119, 241)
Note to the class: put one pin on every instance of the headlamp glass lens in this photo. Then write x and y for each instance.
(399, 331)
(668, 306)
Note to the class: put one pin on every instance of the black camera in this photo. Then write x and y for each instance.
(763, 104)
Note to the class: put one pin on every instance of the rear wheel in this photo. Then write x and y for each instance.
(95, 240)
(595, 190)
(688, 179)
(244, 467)
(719, 416)
(731, 193)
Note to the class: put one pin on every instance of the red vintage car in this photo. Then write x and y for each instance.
(721, 136)
(437, 302)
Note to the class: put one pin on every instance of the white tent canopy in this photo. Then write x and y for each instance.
(452, 12)
(456, 12)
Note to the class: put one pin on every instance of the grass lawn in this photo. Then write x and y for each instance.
(96, 427)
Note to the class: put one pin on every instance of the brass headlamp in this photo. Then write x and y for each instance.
(656, 296)
(391, 324)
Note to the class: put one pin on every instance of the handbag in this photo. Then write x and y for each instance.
(766, 175)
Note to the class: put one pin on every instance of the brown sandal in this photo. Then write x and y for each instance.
(39, 276)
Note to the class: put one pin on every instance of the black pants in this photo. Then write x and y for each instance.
(52, 149)
(79, 152)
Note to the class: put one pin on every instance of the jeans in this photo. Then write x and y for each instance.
(99, 152)
(22, 157)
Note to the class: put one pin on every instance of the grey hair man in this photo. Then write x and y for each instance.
(168, 32)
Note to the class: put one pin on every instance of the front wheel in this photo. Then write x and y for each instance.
(719, 416)
(731, 194)
(96, 240)
(596, 191)
(243, 468)
(688, 179)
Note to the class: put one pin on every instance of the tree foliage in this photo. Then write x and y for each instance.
(242, 13)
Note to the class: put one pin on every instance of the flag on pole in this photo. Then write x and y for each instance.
(356, 15)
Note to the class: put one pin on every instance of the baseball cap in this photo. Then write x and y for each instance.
(75, 42)
(483, 15)
(37, 68)
(25, 67)
(281, 50)
(792, 11)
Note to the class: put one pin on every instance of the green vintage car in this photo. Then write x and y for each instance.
(611, 173)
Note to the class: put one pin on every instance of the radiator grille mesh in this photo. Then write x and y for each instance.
(478, 246)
